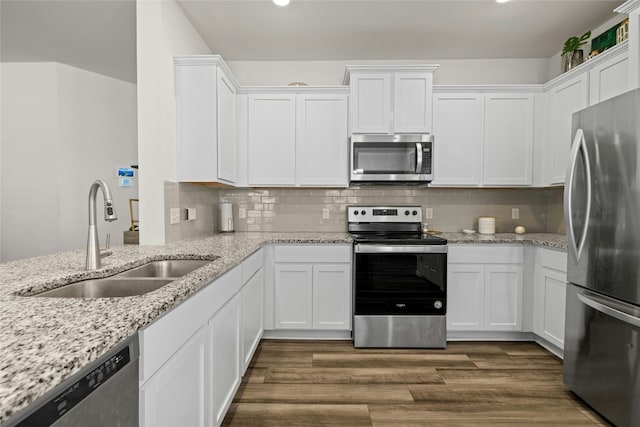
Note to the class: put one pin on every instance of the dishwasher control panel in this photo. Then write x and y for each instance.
(74, 393)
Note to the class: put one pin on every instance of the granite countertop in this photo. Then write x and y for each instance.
(549, 240)
(43, 341)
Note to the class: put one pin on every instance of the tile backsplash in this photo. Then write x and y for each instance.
(290, 209)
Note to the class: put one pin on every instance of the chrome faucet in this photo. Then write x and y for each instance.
(94, 253)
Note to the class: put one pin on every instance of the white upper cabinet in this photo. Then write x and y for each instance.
(562, 101)
(609, 78)
(205, 104)
(598, 79)
(321, 143)
(483, 138)
(272, 139)
(390, 99)
(457, 126)
(508, 139)
(298, 139)
(371, 103)
(412, 95)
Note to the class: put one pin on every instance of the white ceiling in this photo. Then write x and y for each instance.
(99, 35)
(392, 29)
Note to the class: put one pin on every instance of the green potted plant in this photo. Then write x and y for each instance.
(572, 55)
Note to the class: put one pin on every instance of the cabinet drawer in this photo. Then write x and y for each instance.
(312, 253)
(161, 339)
(251, 265)
(554, 260)
(485, 254)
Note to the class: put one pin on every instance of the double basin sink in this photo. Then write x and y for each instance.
(137, 281)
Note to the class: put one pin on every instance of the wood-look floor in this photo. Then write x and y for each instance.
(302, 383)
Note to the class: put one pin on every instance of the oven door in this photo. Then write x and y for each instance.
(400, 280)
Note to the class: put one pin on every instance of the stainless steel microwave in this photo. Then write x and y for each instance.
(392, 159)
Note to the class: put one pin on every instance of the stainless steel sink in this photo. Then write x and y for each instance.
(137, 281)
(166, 268)
(107, 288)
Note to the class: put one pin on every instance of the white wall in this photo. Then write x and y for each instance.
(163, 31)
(62, 128)
(451, 71)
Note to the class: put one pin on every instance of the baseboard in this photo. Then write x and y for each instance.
(549, 346)
(489, 336)
(305, 334)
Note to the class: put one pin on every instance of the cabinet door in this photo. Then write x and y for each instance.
(549, 305)
(293, 296)
(252, 316)
(412, 102)
(465, 297)
(609, 79)
(272, 139)
(322, 145)
(177, 394)
(226, 129)
(457, 126)
(503, 298)
(196, 128)
(508, 139)
(370, 106)
(224, 348)
(563, 100)
(332, 296)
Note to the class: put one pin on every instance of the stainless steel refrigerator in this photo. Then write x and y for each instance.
(602, 216)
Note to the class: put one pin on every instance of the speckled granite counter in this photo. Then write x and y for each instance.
(45, 340)
(549, 240)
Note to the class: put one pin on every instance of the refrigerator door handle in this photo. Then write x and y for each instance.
(579, 145)
(609, 311)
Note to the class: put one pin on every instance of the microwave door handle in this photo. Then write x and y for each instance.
(418, 157)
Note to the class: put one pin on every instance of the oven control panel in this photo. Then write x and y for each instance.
(384, 214)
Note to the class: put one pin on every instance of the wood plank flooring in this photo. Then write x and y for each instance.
(313, 383)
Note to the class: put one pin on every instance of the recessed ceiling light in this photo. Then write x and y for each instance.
(281, 2)
(497, 1)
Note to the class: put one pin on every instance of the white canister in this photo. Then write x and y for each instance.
(226, 217)
(487, 225)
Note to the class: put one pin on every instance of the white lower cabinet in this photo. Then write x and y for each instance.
(192, 359)
(177, 394)
(224, 349)
(550, 285)
(485, 288)
(252, 316)
(312, 287)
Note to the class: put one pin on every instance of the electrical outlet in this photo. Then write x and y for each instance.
(428, 213)
(242, 213)
(175, 216)
(515, 213)
(325, 213)
(191, 214)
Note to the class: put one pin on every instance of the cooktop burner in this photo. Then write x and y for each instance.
(390, 225)
(403, 238)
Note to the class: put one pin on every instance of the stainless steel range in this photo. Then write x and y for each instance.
(400, 279)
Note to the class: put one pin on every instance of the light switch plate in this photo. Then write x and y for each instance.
(515, 213)
(175, 216)
(242, 213)
(191, 214)
(325, 213)
(428, 213)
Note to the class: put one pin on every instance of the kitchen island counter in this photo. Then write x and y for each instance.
(43, 341)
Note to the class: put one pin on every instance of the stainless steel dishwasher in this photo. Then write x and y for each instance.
(104, 393)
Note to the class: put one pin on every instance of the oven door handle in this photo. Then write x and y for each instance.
(387, 249)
